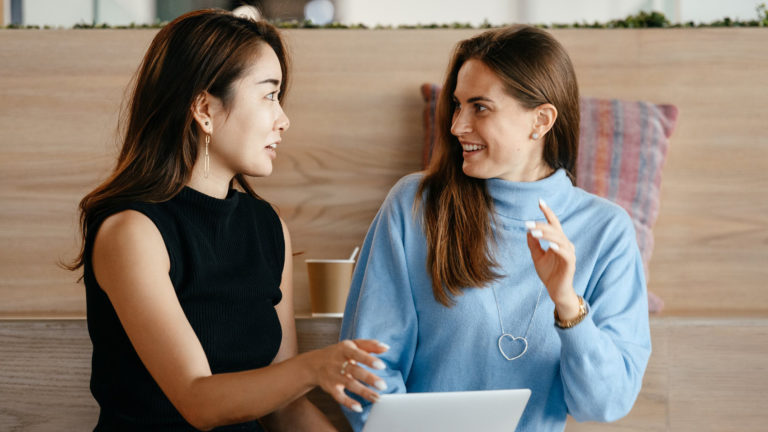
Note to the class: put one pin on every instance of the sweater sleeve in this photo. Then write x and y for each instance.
(380, 303)
(603, 358)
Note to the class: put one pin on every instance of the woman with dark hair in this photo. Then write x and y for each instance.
(498, 272)
(188, 281)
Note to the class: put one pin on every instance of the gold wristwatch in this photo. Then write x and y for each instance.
(570, 323)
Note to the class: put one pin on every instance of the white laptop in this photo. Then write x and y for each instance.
(488, 411)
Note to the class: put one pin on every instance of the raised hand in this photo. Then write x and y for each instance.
(556, 265)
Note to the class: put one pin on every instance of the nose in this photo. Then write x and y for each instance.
(282, 123)
(460, 125)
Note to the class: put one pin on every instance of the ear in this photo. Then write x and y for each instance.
(202, 111)
(544, 118)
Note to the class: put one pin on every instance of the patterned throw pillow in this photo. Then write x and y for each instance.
(622, 149)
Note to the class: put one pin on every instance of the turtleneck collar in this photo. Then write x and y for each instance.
(520, 200)
(209, 203)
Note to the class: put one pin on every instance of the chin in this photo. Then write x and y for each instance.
(264, 171)
(475, 172)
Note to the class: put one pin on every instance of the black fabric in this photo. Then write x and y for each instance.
(227, 259)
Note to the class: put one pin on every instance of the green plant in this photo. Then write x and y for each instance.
(641, 20)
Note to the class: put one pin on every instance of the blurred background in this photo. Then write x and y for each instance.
(58, 13)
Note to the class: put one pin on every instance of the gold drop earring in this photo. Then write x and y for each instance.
(207, 165)
(207, 159)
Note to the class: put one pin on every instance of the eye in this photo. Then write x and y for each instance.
(480, 108)
(273, 96)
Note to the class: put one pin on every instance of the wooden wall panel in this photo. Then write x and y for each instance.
(356, 128)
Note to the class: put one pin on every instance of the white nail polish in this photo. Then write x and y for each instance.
(536, 233)
(381, 385)
(378, 364)
(554, 246)
(530, 224)
(542, 203)
(383, 345)
(357, 408)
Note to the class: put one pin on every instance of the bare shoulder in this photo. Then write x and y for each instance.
(128, 240)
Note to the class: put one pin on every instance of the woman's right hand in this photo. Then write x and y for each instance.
(337, 367)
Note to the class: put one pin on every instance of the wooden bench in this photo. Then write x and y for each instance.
(703, 375)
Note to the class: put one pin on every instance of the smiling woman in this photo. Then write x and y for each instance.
(499, 271)
(189, 281)
(498, 135)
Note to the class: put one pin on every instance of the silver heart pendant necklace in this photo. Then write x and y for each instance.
(505, 335)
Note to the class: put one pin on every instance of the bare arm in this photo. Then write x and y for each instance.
(131, 264)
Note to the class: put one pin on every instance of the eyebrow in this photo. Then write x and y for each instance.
(476, 99)
(273, 81)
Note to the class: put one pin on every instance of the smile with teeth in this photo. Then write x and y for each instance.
(472, 147)
(272, 146)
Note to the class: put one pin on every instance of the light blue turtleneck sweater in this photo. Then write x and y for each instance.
(592, 371)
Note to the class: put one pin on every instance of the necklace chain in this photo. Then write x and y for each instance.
(504, 334)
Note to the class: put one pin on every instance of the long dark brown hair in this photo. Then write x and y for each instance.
(206, 50)
(458, 211)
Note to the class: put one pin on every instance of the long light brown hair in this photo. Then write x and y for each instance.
(458, 210)
(206, 50)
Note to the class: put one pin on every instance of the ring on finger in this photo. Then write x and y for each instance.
(344, 365)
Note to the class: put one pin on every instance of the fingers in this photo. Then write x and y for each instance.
(371, 346)
(550, 234)
(343, 371)
(355, 387)
(357, 375)
(343, 399)
(352, 351)
(554, 235)
(367, 377)
(549, 214)
(535, 247)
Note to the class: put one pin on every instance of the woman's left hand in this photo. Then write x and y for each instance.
(556, 265)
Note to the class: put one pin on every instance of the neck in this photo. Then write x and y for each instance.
(215, 185)
(530, 173)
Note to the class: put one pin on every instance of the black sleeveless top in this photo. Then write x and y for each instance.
(227, 259)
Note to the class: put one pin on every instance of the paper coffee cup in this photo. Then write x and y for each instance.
(329, 281)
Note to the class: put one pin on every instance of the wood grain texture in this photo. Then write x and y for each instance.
(45, 369)
(703, 375)
(355, 110)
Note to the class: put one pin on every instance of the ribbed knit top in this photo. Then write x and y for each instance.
(227, 259)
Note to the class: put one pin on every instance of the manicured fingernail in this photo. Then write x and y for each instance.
(542, 203)
(530, 224)
(381, 385)
(357, 408)
(383, 345)
(378, 364)
(536, 233)
(554, 246)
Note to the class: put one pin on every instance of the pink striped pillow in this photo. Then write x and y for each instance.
(622, 149)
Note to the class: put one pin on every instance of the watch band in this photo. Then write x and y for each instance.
(579, 318)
